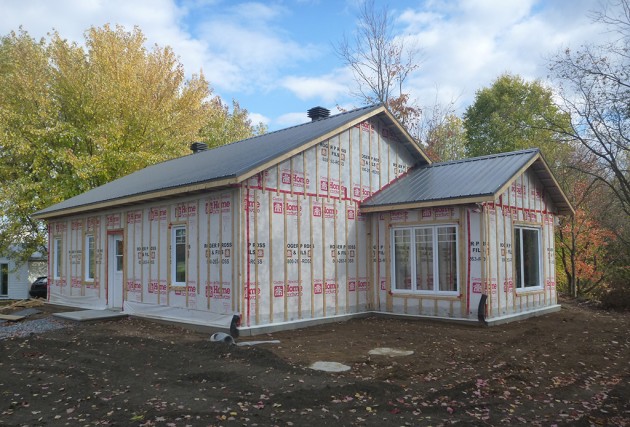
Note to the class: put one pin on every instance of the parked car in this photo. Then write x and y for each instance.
(39, 288)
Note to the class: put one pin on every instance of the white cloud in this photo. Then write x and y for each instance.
(467, 45)
(327, 88)
(256, 118)
(292, 119)
(247, 37)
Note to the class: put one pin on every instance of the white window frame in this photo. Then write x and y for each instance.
(174, 230)
(57, 257)
(90, 258)
(519, 257)
(412, 260)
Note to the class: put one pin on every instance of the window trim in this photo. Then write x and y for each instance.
(89, 262)
(519, 256)
(435, 262)
(57, 258)
(173, 254)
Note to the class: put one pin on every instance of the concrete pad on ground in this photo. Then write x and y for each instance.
(90, 315)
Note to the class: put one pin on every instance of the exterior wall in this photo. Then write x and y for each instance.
(422, 304)
(485, 255)
(288, 244)
(146, 230)
(18, 280)
(309, 255)
(522, 204)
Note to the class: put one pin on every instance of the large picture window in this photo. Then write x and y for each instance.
(178, 256)
(424, 259)
(90, 264)
(57, 258)
(527, 258)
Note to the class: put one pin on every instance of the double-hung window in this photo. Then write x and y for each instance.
(527, 258)
(424, 259)
(178, 256)
(90, 260)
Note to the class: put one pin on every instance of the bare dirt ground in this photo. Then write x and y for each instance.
(567, 368)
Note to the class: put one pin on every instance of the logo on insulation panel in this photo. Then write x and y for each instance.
(277, 207)
(317, 211)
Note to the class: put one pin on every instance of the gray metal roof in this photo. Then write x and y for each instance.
(231, 161)
(465, 181)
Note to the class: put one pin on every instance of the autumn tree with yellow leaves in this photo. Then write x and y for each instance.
(73, 117)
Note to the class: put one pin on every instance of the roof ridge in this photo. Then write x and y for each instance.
(486, 157)
(261, 135)
(301, 124)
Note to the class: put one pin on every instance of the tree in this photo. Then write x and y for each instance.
(446, 140)
(582, 241)
(513, 114)
(73, 118)
(381, 64)
(225, 126)
(594, 86)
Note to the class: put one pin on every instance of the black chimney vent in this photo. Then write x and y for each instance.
(198, 147)
(318, 113)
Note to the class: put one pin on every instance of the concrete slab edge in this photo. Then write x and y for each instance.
(305, 323)
(495, 321)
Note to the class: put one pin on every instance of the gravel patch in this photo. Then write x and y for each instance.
(29, 327)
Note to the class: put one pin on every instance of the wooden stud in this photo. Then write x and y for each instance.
(271, 296)
(256, 279)
(310, 210)
(284, 254)
(236, 248)
(299, 243)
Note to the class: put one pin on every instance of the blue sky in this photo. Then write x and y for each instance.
(277, 58)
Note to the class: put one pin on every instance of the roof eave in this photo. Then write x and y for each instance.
(138, 198)
(548, 180)
(406, 135)
(311, 143)
(480, 198)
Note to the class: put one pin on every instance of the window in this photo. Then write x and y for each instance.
(90, 264)
(4, 279)
(527, 257)
(57, 258)
(178, 256)
(424, 259)
(119, 253)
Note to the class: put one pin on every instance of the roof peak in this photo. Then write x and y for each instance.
(332, 116)
(486, 157)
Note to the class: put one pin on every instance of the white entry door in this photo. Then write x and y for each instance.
(115, 271)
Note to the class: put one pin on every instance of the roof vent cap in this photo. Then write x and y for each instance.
(198, 147)
(318, 113)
